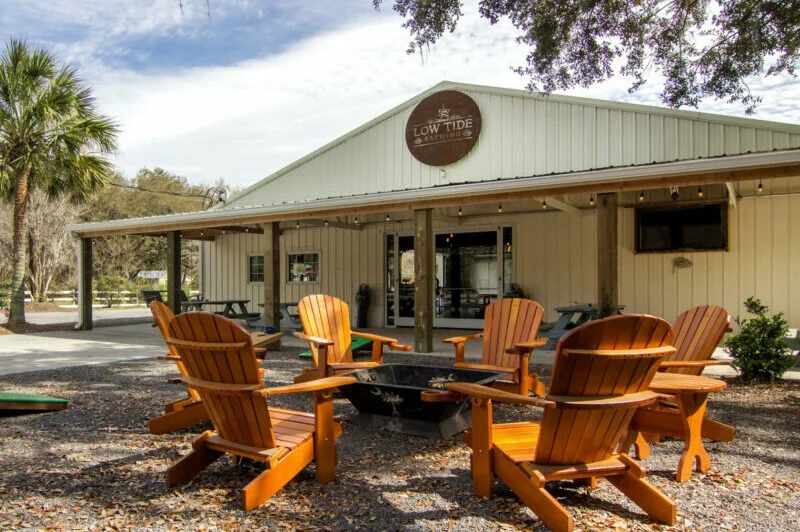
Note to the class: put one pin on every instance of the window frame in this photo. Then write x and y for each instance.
(250, 268)
(290, 254)
(673, 208)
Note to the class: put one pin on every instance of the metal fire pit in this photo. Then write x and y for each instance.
(413, 399)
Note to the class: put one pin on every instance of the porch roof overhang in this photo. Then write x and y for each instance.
(722, 169)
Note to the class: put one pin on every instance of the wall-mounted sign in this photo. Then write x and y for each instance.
(443, 128)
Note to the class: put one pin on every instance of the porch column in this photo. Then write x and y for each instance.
(607, 250)
(84, 285)
(271, 244)
(423, 280)
(174, 271)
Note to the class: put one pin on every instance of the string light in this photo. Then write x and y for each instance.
(356, 220)
(388, 218)
(760, 187)
(591, 201)
(544, 204)
(699, 192)
(500, 209)
(297, 225)
(459, 211)
(325, 222)
(451, 235)
(641, 196)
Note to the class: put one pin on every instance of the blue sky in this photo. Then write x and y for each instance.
(244, 88)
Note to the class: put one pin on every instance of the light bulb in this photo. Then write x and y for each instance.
(699, 192)
(641, 196)
(500, 209)
(760, 187)
(459, 211)
(591, 201)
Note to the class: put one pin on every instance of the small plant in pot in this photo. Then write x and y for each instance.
(363, 300)
(760, 350)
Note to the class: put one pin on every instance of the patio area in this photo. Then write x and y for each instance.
(95, 465)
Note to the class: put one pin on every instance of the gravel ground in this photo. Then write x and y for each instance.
(95, 466)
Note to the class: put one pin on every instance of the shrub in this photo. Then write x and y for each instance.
(760, 350)
(109, 288)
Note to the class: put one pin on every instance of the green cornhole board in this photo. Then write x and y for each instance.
(14, 404)
(355, 345)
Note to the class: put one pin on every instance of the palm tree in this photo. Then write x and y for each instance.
(51, 138)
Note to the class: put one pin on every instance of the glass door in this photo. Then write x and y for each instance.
(471, 270)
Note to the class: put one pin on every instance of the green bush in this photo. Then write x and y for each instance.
(760, 350)
(109, 288)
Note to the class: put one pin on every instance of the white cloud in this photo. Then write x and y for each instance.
(244, 121)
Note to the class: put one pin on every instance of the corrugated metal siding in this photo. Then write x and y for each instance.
(347, 258)
(555, 259)
(761, 261)
(521, 136)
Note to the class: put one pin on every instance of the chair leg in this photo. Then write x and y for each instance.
(530, 488)
(641, 449)
(324, 436)
(178, 419)
(644, 494)
(190, 465)
(272, 480)
(714, 430)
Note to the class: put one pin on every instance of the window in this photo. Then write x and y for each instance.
(303, 268)
(255, 269)
(692, 227)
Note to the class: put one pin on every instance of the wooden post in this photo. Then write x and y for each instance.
(174, 271)
(423, 280)
(607, 250)
(271, 244)
(84, 285)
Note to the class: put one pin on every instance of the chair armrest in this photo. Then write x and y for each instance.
(313, 339)
(341, 366)
(308, 386)
(593, 403)
(484, 367)
(693, 363)
(390, 343)
(168, 357)
(476, 391)
(462, 339)
(522, 348)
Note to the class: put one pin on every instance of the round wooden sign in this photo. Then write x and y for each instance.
(443, 128)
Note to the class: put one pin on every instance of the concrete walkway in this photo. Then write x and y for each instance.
(135, 338)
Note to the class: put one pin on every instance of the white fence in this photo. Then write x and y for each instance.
(119, 298)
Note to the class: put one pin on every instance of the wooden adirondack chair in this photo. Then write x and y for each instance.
(326, 328)
(223, 370)
(600, 377)
(510, 329)
(698, 332)
(184, 412)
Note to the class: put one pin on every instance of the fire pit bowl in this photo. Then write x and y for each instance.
(413, 399)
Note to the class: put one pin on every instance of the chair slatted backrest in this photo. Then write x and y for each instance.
(608, 367)
(328, 318)
(698, 332)
(220, 352)
(505, 323)
(162, 315)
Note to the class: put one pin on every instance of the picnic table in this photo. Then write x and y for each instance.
(230, 307)
(571, 317)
